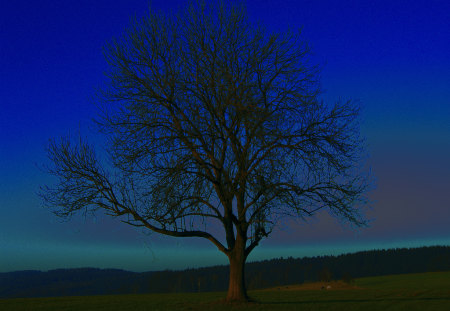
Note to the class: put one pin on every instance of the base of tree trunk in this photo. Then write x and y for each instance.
(246, 301)
(237, 294)
(237, 299)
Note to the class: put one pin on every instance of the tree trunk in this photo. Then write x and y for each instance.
(236, 287)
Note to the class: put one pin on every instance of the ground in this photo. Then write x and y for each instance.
(424, 291)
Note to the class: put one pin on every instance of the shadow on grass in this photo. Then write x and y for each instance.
(337, 301)
(267, 303)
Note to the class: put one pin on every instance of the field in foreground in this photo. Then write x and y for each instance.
(423, 291)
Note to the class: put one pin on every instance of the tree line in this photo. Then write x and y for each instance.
(259, 274)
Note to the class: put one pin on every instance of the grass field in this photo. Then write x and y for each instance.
(424, 291)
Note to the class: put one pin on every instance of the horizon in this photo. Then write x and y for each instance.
(392, 57)
(227, 264)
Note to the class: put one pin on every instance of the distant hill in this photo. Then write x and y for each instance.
(261, 274)
(71, 282)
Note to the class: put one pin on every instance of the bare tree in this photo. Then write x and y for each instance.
(213, 121)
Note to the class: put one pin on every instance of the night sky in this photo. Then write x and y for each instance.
(392, 56)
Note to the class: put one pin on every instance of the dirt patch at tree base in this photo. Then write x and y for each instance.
(333, 285)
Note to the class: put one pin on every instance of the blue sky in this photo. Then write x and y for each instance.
(392, 56)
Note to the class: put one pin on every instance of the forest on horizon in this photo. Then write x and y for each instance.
(259, 274)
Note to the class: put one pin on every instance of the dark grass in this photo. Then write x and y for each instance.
(410, 292)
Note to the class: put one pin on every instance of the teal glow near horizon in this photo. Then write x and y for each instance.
(392, 56)
(44, 256)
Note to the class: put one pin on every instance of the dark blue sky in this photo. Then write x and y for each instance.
(393, 56)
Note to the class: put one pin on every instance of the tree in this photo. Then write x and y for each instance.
(212, 121)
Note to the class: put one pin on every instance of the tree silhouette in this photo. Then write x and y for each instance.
(212, 121)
